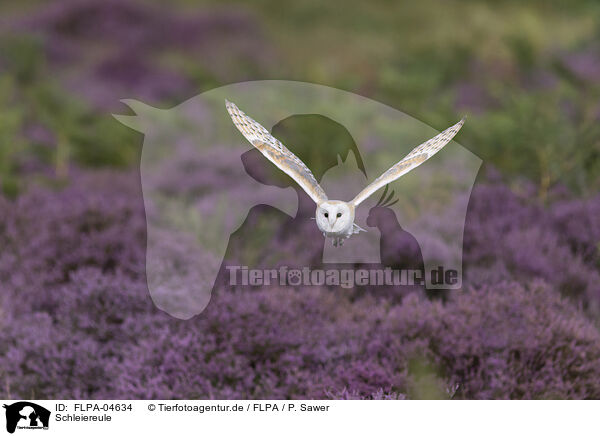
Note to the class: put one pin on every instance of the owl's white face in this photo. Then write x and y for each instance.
(335, 217)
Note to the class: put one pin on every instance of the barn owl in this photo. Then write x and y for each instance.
(334, 218)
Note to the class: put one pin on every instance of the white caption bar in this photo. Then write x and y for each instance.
(300, 417)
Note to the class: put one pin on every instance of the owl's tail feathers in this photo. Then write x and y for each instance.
(357, 229)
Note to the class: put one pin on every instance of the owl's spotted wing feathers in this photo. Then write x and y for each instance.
(276, 152)
(412, 160)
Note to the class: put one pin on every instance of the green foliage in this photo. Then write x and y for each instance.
(30, 97)
(532, 135)
(11, 143)
(90, 138)
(415, 55)
(530, 113)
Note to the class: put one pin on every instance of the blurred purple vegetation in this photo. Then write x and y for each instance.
(114, 49)
(511, 236)
(78, 322)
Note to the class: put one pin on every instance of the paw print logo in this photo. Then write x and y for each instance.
(294, 277)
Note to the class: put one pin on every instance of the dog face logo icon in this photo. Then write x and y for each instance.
(26, 415)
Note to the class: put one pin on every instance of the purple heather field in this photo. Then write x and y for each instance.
(76, 317)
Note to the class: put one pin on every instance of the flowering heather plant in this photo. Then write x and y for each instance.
(576, 221)
(521, 239)
(48, 234)
(509, 341)
(77, 320)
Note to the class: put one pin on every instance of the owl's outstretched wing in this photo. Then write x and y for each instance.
(276, 152)
(412, 160)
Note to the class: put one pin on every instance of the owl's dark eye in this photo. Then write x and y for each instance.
(326, 215)
(339, 214)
